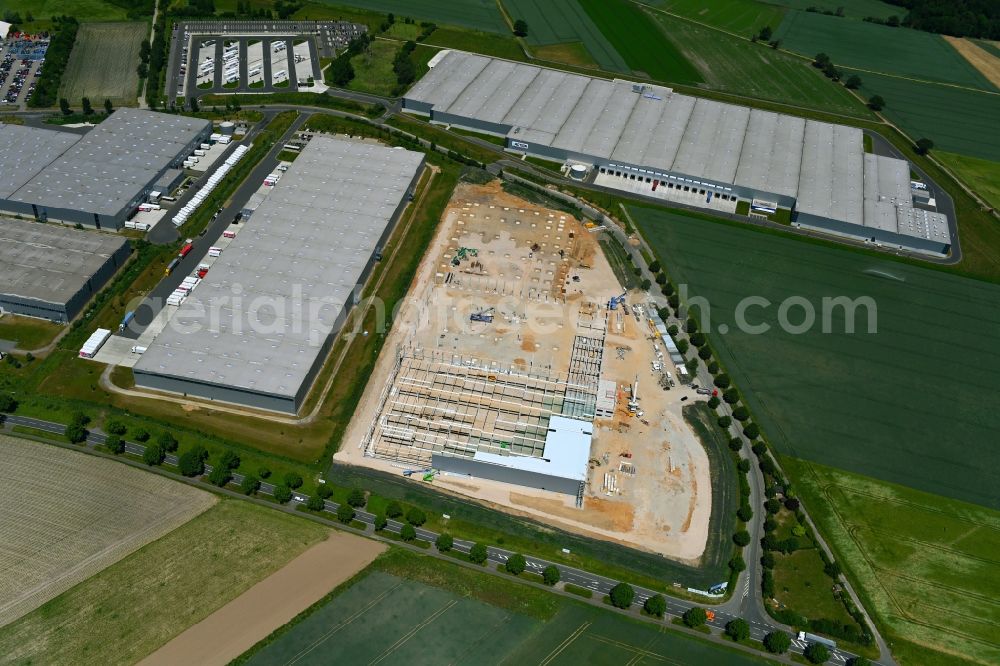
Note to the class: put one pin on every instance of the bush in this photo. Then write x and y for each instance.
(741, 538)
(228, 459)
(293, 480)
(741, 413)
(799, 531)
(772, 506)
(744, 513)
(713, 402)
(655, 605)
(345, 513)
(777, 642)
(737, 563)
(725, 421)
(751, 431)
(735, 444)
(153, 455)
(478, 553)
(416, 517)
(250, 484)
(691, 326)
(220, 476)
(167, 442)
(324, 491)
(738, 629)
(767, 467)
(407, 533)
(380, 522)
(75, 433)
(115, 444)
(263, 472)
(705, 353)
(682, 346)
(115, 427)
(832, 569)
(767, 584)
(792, 504)
(192, 461)
(515, 564)
(743, 465)
(698, 339)
(767, 560)
(695, 617)
(731, 396)
(7, 403)
(551, 575)
(723, 381)
(816, 653)
(393, 509)
(654, 266)
(316, 503)
(282, 494)
(758, 448)
(713, 367)
(356, 498)
(444, 542)
(140, 435)
(789, 545)
(622, 595)
(672, 330)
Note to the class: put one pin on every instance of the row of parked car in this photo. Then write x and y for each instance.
(21, 72)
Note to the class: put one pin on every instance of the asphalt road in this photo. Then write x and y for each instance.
(156, 299)
(601, 585)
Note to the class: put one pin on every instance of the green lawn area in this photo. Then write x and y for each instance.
(373, 69)
(409, 608)
(800, 585)
(923, 564)
(638, 39)
(477, 14)
(404, 31)
(879, 48)
(739, 66)
(983, 176)
(82, 10)
(497, 45)
(28, 332)
(903, 404)
(957, 120)
(131, 608)
(743, 17)
(565, 21)
(855, 9)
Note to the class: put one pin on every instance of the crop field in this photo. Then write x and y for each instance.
(741, 67)
(742, 17)
(389, 619)
(638, 39)
(562, 22)
(903, 404)
(478, 14)
(992, 48)
(83, 10)
(958, 121)
(879, 48)
(64, 516)
(983, 176)
(133, 607)
(487, 43)
(103, 63)
(924, 564)
(855, 9)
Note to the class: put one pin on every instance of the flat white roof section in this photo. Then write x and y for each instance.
(772, 153)
(830, 179)
(24, 151)
(566, 453)
(263, 312)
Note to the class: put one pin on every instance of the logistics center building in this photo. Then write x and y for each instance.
(97, 179)
(51, 271)
(645, 134)
(259, 326)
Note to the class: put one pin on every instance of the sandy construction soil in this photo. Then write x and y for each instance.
(239, 625)
(987, 64)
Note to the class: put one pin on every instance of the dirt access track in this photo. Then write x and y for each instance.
(543, 276)
(273, 602)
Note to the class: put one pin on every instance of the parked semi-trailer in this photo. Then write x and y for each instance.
(129, 316)
(171, 266)
(186, 250)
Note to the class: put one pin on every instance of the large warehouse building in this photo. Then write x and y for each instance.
(51, 271)
(100, 178)
(256, 331)
(641, 137)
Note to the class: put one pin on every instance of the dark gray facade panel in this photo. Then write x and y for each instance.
(275, 403)
(471, 123)
(520, 477)
(867, 233)
(33, 308)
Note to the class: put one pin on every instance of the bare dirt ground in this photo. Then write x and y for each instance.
(987, 64)
(546, 279)
(239, 625)
(64, 516)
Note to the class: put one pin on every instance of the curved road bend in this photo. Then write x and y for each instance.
(734, 608)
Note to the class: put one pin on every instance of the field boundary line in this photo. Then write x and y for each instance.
(941, 586)
(637, 651)
(926, 544)
(565, 644)
(909, 503)
(414, 631)
(343, 623)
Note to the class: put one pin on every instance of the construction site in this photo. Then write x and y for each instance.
(518, 372)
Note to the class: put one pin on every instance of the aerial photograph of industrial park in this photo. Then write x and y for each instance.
(555, 332)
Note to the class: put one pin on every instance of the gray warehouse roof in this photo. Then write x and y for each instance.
(49, 262)
(820, 164)
(24, 151)
(294, 265)
(112, 163)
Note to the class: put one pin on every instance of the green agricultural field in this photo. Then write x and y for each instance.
(83, 10)
(103, 63)
(738, 66)
(133, 607)
(385, 616)
(478, 14)
(562, 22)
(855, 9)
(638, 39)
(957, 120)
(879, 48)
(486, 43)
(983, 176)
(904, 404)
(925, 565)
(742, 17)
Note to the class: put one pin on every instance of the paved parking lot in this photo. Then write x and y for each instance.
(20, 65)
(252, 56)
